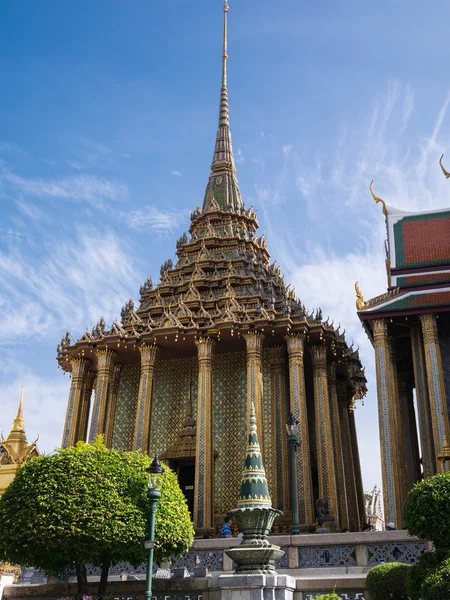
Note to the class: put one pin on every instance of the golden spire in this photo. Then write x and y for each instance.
(378, 199)
(222, 190)
(16, 445)
(446, 173)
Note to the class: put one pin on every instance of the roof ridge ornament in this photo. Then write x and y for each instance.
(446, 173)
(377, 199)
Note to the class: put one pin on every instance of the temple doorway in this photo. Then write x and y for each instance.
(186, 481)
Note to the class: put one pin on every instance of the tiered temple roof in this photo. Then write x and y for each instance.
(417, 264)
(222, 283)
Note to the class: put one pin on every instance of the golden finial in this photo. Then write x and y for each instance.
(378, 199)
(361, 304)
(446, 173)
(226, 8)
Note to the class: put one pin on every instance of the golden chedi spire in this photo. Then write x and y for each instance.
(16, 449)
(223, 187)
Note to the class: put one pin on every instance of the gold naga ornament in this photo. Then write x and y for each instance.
(361, 304)
(446, 173)
(377, 199)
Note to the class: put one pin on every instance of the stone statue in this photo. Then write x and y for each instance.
(323, 511)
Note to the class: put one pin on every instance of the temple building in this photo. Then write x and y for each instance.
(222, 330)
(409, 327)
(374, 512)
(15, 450)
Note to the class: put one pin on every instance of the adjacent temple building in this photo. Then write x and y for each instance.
(409, 327)
(15, 450)
(178, 375)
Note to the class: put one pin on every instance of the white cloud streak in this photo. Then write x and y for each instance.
(153, 219)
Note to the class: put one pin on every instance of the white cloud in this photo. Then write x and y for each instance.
(78, 279)
(176, 173)
(156, 220)
(340, 238)
(88, 188)
(239, 157)
(45, 402)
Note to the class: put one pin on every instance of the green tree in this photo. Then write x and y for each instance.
(388, 581)
(426, 513)
(88, 505)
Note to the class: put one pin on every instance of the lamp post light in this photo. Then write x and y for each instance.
(292, 430)
(153, 494)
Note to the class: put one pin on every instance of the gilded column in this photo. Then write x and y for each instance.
(85, 406)
(144, 406)
(423, 404)
(111, 406)
(324, 440)
(409, 426)
(337, 447)
(400, 429)
(436, 386)
(203, 506)
(386, 417)
(104, 380)
(254, 341)
(280, 471)
(79, 371)
(297, 406)
(357, 465)
(347, 454)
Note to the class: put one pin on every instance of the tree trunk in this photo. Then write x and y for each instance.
(82, 582)
(103, 579)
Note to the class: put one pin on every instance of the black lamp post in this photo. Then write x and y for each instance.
(292, 430)
(154, 471)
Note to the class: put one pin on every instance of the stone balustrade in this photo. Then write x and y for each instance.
(319, 563)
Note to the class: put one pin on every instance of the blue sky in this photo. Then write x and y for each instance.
(108, 112)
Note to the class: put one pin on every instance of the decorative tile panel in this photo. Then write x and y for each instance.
(406, 552)
(327, 556)
(229, 405)
(126, 406)
(170, 400)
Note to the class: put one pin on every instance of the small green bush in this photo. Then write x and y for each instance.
(436, 585)
(331, 596)
(426, 513)
(388, 581)
(419, 572)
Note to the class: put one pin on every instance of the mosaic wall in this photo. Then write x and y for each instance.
(229, 398)
(170, 399)
(268, 421)
(125, 416)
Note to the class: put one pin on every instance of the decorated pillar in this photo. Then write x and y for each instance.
(104, 381)
(436, 386)
(423, 404)
(342, 516)
(79, 371)
(144, 405)
(324, 438)
(386, 417)
(254, 341)
(203, 505)
(354, 518)
(85, 406)
(400, 432)
(297, 406)
(280, 471)
(111, 405)
(356, 464)
(410, 430)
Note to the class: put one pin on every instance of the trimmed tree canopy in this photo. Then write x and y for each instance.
(426, 511)
(88, 505)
